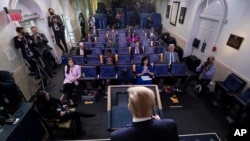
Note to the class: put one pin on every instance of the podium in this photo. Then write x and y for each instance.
(117, 107)
(28, 127)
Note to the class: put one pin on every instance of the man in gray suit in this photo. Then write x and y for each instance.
(170, 56)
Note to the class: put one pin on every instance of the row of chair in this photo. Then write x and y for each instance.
(119, 59)
(127, 71)
(123, 43)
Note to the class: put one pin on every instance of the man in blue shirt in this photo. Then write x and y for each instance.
(206, 72)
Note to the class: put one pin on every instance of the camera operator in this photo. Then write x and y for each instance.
(44, 50)
(56, 23)
(26, 42)
(206, 72)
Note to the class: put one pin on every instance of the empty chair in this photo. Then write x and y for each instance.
(161, 70)
(87, 44)
(96, 51)
(154, 58)
(123, 59)
(99, 44)
(107, 72)
(178, 69)
(93, 59)
(125, 73)
(102, 35)
(89, 72)
(145, 43)
(132, 44)
(79, 60)
(224, 89)
(137, 58)
(121, 39)
(122, 50)
(122, 34)
(148, 50)
(122, 44)
(101, 39)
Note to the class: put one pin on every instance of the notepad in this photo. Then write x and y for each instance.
(146, 78)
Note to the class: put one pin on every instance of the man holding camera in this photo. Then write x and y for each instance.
(55, 22)
(24, 41)
(206, 72)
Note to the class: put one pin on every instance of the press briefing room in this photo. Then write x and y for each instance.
(124, 70)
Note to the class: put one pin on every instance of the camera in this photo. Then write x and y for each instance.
(207, 63)
(26, 35)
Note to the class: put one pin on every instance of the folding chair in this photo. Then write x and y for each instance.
(154, 58)
(123, 59)
(93, 59)
(125, 73)
(148, 50)
(79, 60)
(107, 73)
(99, 44)
(178, 69)
(96, 51)
(122, 50)
(122, 44)
(137, 58)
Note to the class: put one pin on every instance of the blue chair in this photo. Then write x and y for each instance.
(107, 72)
(161, 70)
(125, 73)
(100, 39)
(124, 59)
(122, 50)
(146, 43)
(137, 58)
(90, 72)
(112, 49)
(225, 89)
(122, 44)
(96, 51)
(121, 34)
(178, 69)
(99, 44)
(132, 44)
(79, 60)
(87, 44)
(121, 39)
(148, 50)
(154, 58)
(93, 59)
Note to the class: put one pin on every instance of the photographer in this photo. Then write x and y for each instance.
(55, 22)
(44, 50)
(206, 72)
(26, 42)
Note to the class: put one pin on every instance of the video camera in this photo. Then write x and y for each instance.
(207, 63)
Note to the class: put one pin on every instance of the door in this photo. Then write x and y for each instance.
(205, 34)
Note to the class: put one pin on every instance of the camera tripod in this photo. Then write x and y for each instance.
(41, 73)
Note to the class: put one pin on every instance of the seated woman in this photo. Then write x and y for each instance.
(111, 44)
(72, 74)
(109, 58)
(52, 108)
(144, 72)
(133, 38)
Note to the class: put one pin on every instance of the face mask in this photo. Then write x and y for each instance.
(51, 13)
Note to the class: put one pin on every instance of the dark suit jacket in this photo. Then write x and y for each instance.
(132, 51)
(59, 23)
(150, 130)
(85, 51)
(92, 39)
(20, 44)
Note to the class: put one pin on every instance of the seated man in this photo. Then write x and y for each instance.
(81, 50)
(170, 56)
(145, 126)
(94, 31)
(89, 38)
(52, 108)
(206, 72)
(111, 44)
